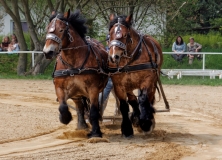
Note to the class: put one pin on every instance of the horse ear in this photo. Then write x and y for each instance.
(111, 17)
(53, 12)
(129, 18)
(67, 14)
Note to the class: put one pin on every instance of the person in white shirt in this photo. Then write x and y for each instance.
(13, 46)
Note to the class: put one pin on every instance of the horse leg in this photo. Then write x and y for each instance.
(65, 116)
(147, 121)
(135, 116)
(126, 126)
(94, 116)
(80, 109)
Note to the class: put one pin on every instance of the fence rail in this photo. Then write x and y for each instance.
(32, 52)
(212, 73)
(170, 72)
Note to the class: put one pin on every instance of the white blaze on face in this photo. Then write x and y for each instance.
(114, 52)
(50, 47)
(115, 30)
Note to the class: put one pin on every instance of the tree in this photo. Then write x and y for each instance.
(12, 8)
(2, 16)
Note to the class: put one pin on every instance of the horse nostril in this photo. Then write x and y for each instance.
(116, 57)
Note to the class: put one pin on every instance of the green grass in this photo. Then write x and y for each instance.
(211, 62)
(8, 65)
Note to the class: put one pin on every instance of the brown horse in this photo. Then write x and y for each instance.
(79, 68)
(134, 62)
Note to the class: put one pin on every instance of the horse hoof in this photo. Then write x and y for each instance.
(65, 118)
(129, 137)
(135, 120)
(147, 125)
(93, 134)
(127, 131)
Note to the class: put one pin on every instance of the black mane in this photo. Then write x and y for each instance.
(75, 20)
(123, 22)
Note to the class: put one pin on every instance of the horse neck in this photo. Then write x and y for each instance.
(75, 56)
(135, 41)
(131, 46)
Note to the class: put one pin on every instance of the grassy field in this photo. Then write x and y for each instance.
(8, 64)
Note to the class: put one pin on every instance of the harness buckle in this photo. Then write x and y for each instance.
(65, 72)
(80, 71)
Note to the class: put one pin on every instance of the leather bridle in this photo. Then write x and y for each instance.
(119, 35)
(54, 37)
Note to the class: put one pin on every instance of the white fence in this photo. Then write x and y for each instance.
(32, 52)
(212, 73)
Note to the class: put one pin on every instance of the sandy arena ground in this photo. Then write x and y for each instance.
(30, 128)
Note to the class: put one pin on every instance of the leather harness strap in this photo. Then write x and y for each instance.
(133, 68)
(71, 71)
(74, 71)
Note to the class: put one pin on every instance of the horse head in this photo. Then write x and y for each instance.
(119, 31)
(58, 34)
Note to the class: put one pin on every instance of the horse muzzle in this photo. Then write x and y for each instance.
(50, 51)
(114, 59)
(49, 54)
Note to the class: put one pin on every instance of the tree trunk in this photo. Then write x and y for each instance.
(14, 13)
(40, 64)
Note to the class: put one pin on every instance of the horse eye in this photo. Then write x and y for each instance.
(61, 30)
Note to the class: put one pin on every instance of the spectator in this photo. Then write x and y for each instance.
(103, 97)
(13, 36)
(193, 47)
(178, 47)
(5, 43)
(13, 46)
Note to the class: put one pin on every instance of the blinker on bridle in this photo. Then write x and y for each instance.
(55, 37)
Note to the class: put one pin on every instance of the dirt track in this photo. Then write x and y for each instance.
(30, 129)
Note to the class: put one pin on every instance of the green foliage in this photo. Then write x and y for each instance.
(186, 17)
(210, 41)
(28, 40)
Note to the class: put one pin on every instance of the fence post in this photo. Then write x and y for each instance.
(33, 59)
(203, 61)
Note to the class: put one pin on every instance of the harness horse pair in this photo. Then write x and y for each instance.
(83, 66)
